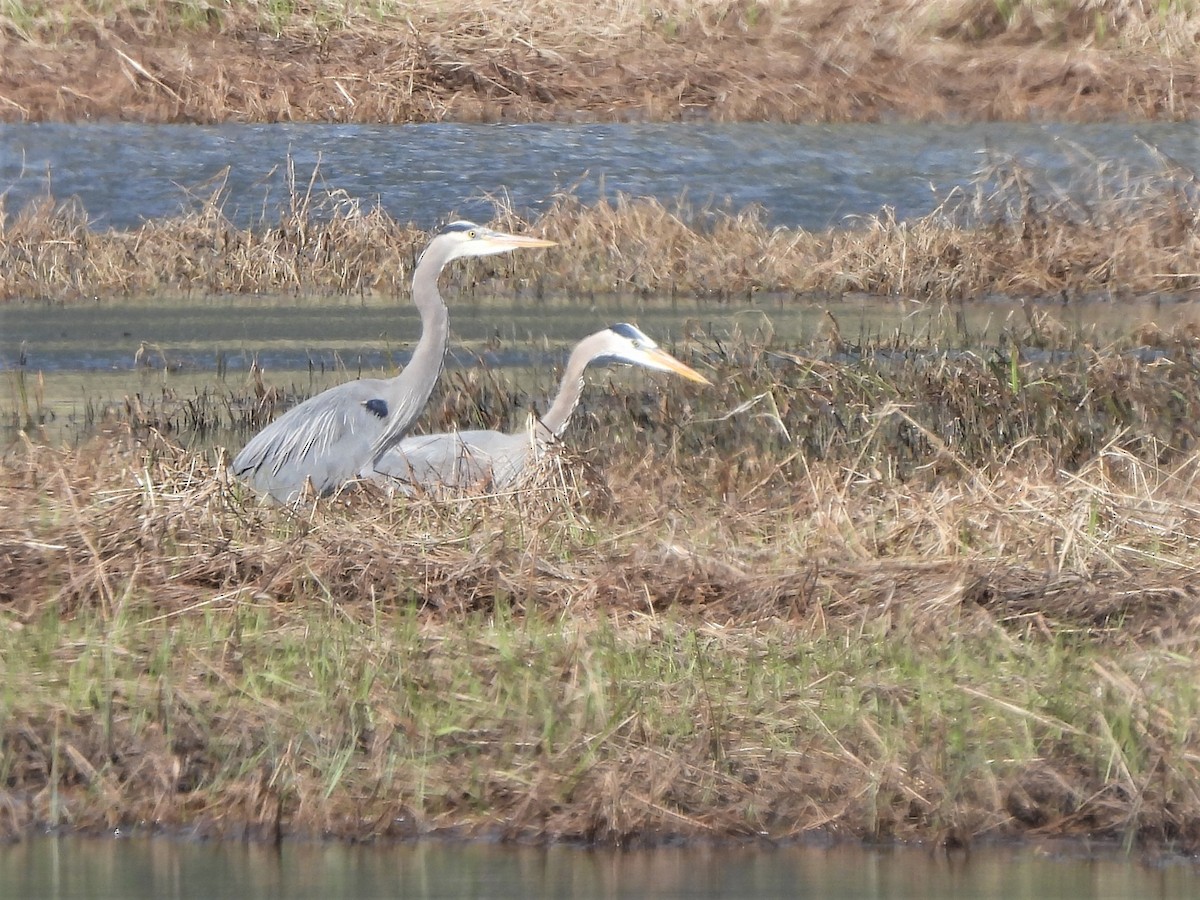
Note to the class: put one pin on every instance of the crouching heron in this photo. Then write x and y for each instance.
(461, 460)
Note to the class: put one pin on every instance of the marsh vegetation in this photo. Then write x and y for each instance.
(868, 583)
(904, 593)
(1010, 234)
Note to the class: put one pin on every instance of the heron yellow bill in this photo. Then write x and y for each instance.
(515, 241)
(671, 364)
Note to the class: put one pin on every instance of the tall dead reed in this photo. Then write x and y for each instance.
(1012, 234)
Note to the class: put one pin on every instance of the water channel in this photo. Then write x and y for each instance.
(810, 176)
(86, 357)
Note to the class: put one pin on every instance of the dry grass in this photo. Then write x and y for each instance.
(1011, 235)
(973, 613)
(730, 59)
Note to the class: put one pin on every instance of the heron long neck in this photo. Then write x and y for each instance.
(569, 389)
(407, 393)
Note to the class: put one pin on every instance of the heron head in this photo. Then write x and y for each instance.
(624, 343)
(468, 239)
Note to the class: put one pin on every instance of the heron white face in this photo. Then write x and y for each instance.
(478, 240)
(625, 343)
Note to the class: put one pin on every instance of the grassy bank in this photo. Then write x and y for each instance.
(960, 601)
(399, 61)
(1012, 234)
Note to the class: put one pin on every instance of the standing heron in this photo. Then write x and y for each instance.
(328, 438)
(465, 459)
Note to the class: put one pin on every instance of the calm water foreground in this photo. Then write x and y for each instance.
(161, 868)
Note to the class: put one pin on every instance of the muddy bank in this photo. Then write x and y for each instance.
(587, 62)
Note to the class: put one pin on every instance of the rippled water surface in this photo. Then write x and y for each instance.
(801, 175)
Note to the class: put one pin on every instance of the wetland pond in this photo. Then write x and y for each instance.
(65, 364)
(162, 868)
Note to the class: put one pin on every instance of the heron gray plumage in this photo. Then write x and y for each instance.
(461, 460)
(329, 438)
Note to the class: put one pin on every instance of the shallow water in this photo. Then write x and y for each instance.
(134, 868)
(810, 176)
(73, 361)
(298, 334)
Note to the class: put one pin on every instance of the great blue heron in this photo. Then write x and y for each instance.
(328, 438)
(465, 459)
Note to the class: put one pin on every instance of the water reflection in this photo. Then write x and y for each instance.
(224, 334)
(78, 359)
(802, 175)
(162, 868)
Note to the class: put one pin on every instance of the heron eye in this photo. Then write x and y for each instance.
(471, 234)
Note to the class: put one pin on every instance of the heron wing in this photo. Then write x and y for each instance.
(326, 439)
(457, 460)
